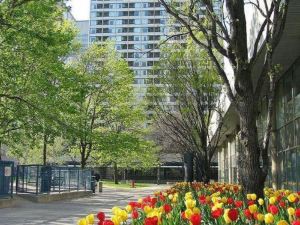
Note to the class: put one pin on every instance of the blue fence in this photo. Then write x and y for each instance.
(6, 179)
(37, 179)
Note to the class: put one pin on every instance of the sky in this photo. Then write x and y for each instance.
(80, 9)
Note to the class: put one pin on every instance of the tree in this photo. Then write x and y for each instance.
(35, 40)
(188, 77)
(126, 149)
(226, 31)
(123, 140)
(104, 84)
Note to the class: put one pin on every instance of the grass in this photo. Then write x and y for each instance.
(123, 185)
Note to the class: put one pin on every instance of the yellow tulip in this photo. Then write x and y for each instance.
(253, 208)
(116, 220)
(196, 210)
(248, 196)
(253, 197)
(188, 196)
(174, 200)
(291, 211)
(123, 215)
(272, 200)
(224, 200)
(82, 222)
(128, 208)
(291, 198)
(282, 222)
(147, 209)
(260, 217)
(188, 213)
(226, 217)
(190, 203)
(261, 201)
(269, 218)
(90, 219)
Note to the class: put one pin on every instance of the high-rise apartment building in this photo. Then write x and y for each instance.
(83, 34)
(136, 27)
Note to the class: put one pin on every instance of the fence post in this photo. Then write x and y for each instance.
(17, 179)
(12, 180)
(37, 180)
(69, 169)
(77, 180)
(59, 179)
(84, 182)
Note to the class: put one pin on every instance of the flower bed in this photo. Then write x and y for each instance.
(213, 204)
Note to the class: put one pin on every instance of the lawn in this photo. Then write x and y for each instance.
(124, 185)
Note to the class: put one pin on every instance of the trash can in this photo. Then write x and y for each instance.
(46, 178)
(100, 185)
(132, 183)
(93, 184)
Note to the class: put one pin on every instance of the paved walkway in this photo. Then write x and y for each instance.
(67, 212)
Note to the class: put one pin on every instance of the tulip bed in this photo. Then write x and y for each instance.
(211, 204)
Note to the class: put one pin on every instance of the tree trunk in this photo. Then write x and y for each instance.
(82, 154)
(125, 174)
(188, 167)
(83, 160)
(202, 169)
(158, 174)
(45, 150)
(116, 180)
(251, 176)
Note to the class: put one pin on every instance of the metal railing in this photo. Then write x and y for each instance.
(38, 179)
(6, 179)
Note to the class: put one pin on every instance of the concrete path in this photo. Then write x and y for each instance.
(68, 212)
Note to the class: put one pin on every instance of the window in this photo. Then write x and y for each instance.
(288, 127)
(296, 84)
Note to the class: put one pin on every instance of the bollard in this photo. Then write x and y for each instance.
(132, 184)
(100, 184)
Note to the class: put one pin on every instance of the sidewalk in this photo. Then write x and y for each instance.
(68, 212)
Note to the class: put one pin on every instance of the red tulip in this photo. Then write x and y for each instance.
(183, 215)
(167, 208)
(108, 222)
(230, 201)
(202, 199)
(233, 214)
(282, 204)
(195, 219)
(251, 202)
(248, 214)
(151, 221)
(101, 216)
(238, 204)
(273, 209)
(217, 213)
(297, 213)
(134, 214)
(296, 222)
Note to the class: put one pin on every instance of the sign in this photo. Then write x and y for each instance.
(7, 171)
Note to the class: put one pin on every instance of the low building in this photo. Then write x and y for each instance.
(284, 150)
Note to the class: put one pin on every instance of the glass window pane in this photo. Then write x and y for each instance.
(289, 134)
(296, 83)
(279, 106)
(297, 132)
(298, 168)
(281, 139)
